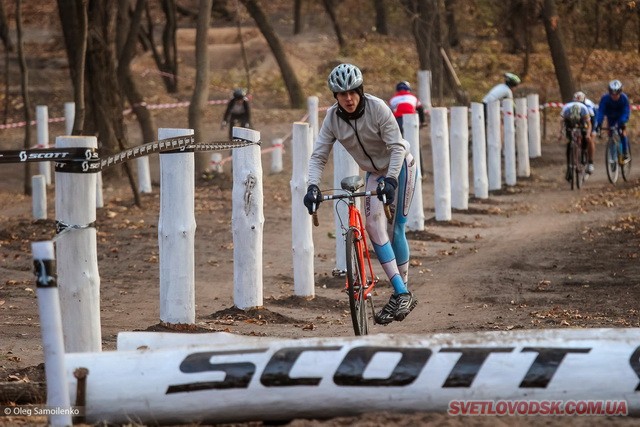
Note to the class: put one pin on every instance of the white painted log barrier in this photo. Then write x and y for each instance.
(99, 194)
(280, 379)
(247, 223)
(522, 144)
(276, 155)
(441, 164)
(415, 218)
(301, 227)
(509, 142)
(69, 117)
(533, 125)
(127, 341)
(144, 175)
(176, 233)
(459, 157)
(312, 110)
(51, 331)
(42, 129)
(494, 146)
(424, 89)
(343, 166)
(76, 245)
(38, 197)
(480, 178)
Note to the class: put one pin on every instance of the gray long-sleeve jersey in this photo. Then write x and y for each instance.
(373, 140)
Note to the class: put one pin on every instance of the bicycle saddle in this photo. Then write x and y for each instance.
(352, 183)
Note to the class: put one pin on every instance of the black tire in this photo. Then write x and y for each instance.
(611, 160)
(357, 302)
(572, 164)
(626, 168)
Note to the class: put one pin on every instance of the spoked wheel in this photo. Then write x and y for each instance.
(626, 167)
(355, 287)
(611, 159)
(581, 169)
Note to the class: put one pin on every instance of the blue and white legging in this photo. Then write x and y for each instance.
(388, 237)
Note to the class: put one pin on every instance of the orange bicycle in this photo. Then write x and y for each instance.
(361, 280)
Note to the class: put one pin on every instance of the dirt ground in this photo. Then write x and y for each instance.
(533, 256)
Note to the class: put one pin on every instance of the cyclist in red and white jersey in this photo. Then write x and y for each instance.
(405, 102)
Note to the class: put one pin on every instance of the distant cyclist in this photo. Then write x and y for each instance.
(366, 128)
(576, 113)
(616, 108)
(503, 90)
(404, 102)
(238, 111)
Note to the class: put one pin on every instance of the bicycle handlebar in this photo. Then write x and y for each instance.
(316, 222)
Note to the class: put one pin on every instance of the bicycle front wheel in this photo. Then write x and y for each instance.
(626, 166)
(572, 164)
(356, 283)
(611, 160)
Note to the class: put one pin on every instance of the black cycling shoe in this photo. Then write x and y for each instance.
(388, 312)
(406, 303)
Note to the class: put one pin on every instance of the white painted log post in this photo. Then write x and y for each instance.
(522, 144)
(459, 158)
(51, 331)
(277, 379)
(144, 175)
(216, 162)
(302, 247)
(343, 166)
(69, 117)
(494, 146)
(415, 218)
(509, 142)
(247, 221)
(479, 142)
(441, 168)
(276, 155)
(424, 88)
(312, 109)
(533, 125)
(76, 246)
(39, 197)
(176, 233)
(42, 126)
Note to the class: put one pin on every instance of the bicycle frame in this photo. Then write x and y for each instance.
(356, 224)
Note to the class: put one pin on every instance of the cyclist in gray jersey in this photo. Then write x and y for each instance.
(365, 126)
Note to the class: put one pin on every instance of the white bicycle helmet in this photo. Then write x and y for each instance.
(579, 96)
(615, 86)
(511, 79)
(345, 77)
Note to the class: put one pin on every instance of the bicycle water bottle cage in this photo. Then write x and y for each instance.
(352, 183)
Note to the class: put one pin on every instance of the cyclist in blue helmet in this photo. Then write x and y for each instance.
(615, 106)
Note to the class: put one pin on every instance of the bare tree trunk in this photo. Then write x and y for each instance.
(381, 17)
(73, 16)
(8, 47)
(167, 62)
(329, 6)
(551, 22)
(126, 48)
(201, 89)
(450, 17)
(297, 17)
(245, 60)
(296, 95)
(24, 84)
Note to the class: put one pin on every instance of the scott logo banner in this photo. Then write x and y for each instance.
(191, 380)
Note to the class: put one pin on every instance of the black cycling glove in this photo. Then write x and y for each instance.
(313, 198)
(387, 189)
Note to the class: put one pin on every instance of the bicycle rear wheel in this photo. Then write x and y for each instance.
(356, 284)
(611, 160)
(572, 164)
(626, 167)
